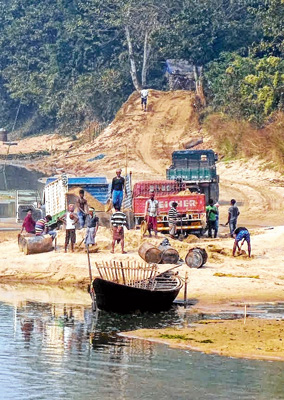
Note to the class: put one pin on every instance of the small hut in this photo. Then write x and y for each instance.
(182, 75)
(3, 135)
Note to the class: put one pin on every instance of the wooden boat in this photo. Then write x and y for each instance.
(129, 288)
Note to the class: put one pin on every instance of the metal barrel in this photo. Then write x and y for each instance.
(196, 257)
(170, 256)
(37, 244)
(21, 239)
(150, 253)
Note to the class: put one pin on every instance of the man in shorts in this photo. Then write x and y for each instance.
(118, 222)
(241, 233)
(151, 214)
(144, 98)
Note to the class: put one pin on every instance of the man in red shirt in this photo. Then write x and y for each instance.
(29, 223)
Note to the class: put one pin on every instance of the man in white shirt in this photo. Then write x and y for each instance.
(144, 98)
(151, 214)
(70, 219)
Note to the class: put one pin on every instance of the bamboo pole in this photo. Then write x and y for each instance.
(185, 290)
(123, 277)
(89, 264)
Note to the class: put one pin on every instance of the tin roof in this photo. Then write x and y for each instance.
(94, 180)
(181, 67)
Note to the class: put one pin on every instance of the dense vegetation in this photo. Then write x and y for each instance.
(66, 62)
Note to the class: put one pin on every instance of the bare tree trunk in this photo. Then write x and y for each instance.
(133, 70)
(146, 54)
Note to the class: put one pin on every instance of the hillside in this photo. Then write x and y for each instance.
(148, 138)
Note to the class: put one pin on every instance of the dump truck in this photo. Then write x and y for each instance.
(191, 206)
(59, 192)
(196, 169)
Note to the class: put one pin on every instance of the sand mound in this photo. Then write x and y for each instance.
(73, 195)
(147, 140)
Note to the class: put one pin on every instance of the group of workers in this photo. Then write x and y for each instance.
(85, 216)
(240, 234)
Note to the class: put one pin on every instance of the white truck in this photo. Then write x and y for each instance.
(55, 197)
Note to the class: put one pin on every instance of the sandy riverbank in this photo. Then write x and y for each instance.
(224, 279)
(256, 339)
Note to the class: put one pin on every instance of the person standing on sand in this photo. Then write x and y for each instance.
(70, 219)
(118, 222)
(82, 208)
(117, 187)
(29, 223)
(217, 205)
(151, 213)
(233, 214)
(172, 217)
(92, 222)
(241, 233)
(144, 99)
(211, 213)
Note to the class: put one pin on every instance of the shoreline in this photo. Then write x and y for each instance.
(224, 280)
(220, 337)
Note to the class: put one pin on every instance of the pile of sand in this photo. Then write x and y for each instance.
(73, 195)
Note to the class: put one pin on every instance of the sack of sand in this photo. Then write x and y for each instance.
(108, 205)
(143, 228)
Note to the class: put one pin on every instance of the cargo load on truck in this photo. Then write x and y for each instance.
(191, 206)
(196, 169)
(59, 192)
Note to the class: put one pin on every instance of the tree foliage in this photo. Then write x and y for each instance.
(251, 85)
(66, 62)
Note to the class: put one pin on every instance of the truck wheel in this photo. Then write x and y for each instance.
(200, 233)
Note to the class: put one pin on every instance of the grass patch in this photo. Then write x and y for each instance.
(183, 337)
(220, 274)
(205, 341)
(180, 337)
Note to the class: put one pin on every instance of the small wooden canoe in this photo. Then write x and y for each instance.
(153, 295)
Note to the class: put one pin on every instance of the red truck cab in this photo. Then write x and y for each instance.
(191, 206)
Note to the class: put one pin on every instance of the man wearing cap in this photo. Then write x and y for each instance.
(117, 187)
(92, 222)
(172, 217)
(151, 213)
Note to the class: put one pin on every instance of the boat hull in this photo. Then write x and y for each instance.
(123, 299)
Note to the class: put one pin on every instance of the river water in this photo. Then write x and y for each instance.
(51, 350)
